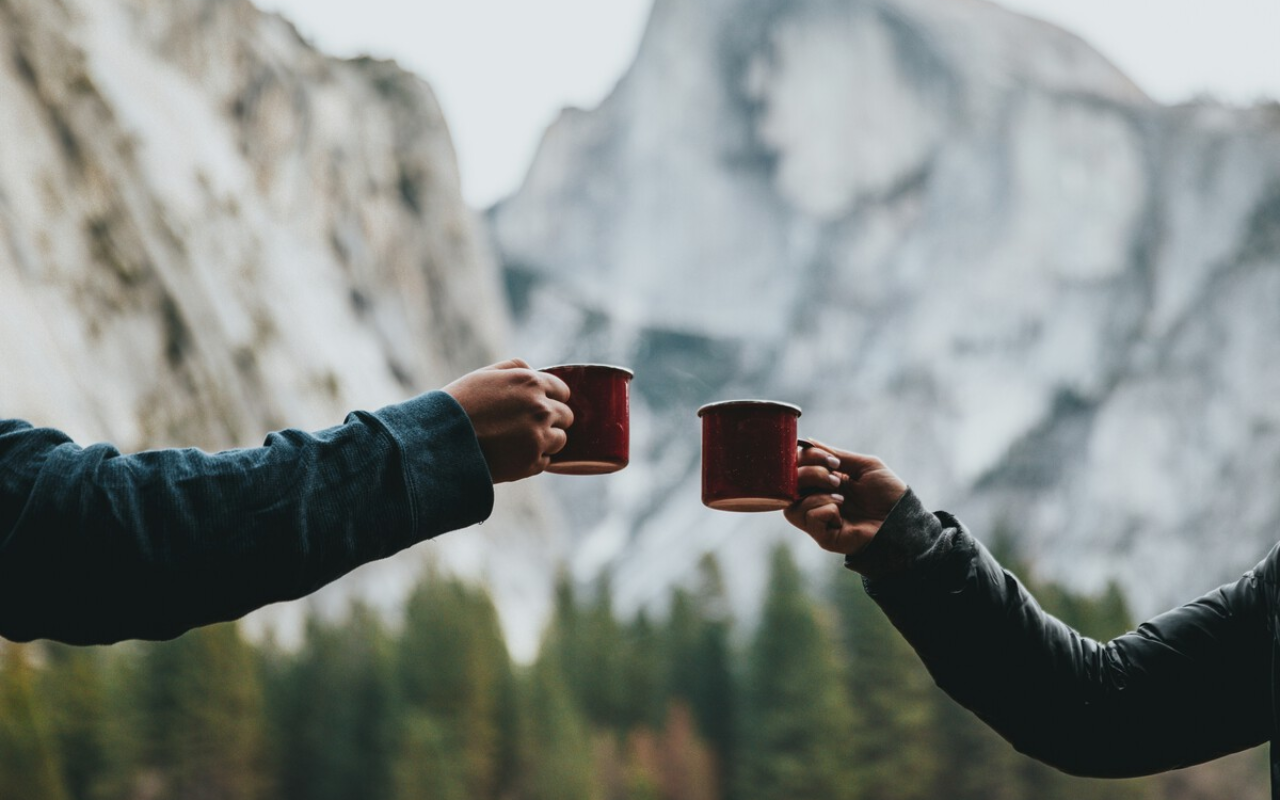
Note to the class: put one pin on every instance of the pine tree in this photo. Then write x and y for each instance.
(453, 667)
(683, 632)
(200, 718)
(644, 674)
(895, 742)
(700, 661)
(601, 688)
(29, 762)
(556, 761)
(73, 688)
(334, 712)
(715, 702)
(796, 705)
(428, 767)
(565, 635)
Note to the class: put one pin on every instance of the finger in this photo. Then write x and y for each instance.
(555, 441)
(817, 479)
(807, 504)
(825, 527)
(816, 456)
(797, 512)
(561, 414)
(853, 463)
(824, 516)
(555, 388)
(511, 363)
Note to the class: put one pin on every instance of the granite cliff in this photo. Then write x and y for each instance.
(959, 238)
(210, 230)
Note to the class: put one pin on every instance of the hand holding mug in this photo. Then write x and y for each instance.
(519, 415)
(846, 497)
(600, 399)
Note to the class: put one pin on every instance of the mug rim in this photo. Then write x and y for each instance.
(771, 403)
(613, 367)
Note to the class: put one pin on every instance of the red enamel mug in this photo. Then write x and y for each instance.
(599, 440)
(749, 455)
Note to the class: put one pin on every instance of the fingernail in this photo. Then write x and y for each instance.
(833, 462)
(839, 498)
(834, 478)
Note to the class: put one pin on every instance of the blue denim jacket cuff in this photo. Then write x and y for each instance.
(446, 475)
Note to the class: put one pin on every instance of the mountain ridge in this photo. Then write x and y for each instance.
(959, 239)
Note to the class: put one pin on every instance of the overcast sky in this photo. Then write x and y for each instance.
(502, 69)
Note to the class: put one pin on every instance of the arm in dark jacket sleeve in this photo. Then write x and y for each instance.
(96, 546)
(1187, 686)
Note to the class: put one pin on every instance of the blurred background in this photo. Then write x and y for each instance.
(1029, 254)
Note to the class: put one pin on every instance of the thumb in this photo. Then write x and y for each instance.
(511, 363)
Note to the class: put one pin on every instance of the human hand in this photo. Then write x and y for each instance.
(519, 415)
(844, 497)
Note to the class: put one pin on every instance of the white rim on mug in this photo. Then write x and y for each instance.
(613, 367)
(771, 403)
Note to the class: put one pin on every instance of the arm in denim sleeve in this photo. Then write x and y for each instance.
(96, 546)
(1188, 686)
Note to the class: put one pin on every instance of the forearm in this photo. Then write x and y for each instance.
(1183, 689)
(96, 546)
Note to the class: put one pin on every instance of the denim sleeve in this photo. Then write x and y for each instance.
(96, 546)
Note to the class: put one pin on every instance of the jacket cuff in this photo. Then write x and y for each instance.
(446, 475)
(905, 536)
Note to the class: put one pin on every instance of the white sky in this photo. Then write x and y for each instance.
(502, 69)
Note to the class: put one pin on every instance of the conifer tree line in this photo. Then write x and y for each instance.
(820, 700)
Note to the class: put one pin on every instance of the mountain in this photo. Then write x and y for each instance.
(957, 237)
(960, 239)
(209, 230)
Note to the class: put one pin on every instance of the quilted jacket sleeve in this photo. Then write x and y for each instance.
(1188, 686)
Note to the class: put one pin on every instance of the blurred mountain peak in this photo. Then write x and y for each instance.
(959, 238)
(210, 230)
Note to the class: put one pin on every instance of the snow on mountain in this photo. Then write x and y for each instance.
(958, 238)
(209, 230)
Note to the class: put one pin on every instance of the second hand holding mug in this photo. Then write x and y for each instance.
(599, 440)
(749, 455)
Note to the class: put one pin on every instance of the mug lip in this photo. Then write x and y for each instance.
(585, 365)
(730, 403)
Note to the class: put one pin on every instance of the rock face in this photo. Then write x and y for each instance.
(957, 237)
(960, 239)
(209, 230)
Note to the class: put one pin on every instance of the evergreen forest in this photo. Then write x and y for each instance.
(820, 700)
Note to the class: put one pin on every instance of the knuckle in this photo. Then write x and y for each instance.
(520, 378)
(542, 411)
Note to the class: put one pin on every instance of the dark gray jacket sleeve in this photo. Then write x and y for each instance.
(1188, 686)
(96, 546)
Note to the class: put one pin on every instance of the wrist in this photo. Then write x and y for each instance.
(908, 531)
